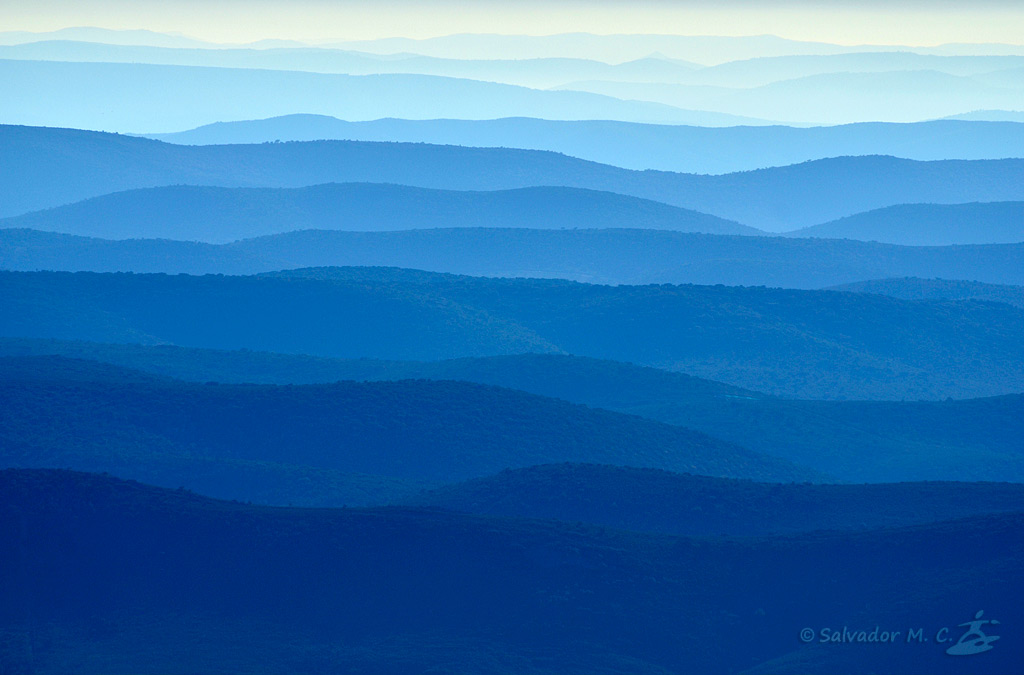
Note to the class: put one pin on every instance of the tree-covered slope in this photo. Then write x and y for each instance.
(929, 225)
(205, 586)
(610, 256)
(649, 500)
(415, 431)
(804, 344)
(911, 288)
(883, 441)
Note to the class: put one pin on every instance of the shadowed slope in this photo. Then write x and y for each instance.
(219, 215)
(49, 167)
(204, 586)
(807, 344)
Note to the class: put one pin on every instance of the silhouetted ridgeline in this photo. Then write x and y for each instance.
(219, 438)
(49, 167)
(940, 289)
(600, 256)
(285, 590)
(809, 344)
(648, 500)
(688, 149)
(219, 215)
(929, 225)
(142, 98)
(974, 439)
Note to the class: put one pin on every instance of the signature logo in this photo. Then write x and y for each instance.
(974, 640)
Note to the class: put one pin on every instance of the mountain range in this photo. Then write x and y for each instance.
(487, 354)
(682, 148)
(705, 49)
(170, 98)
(835, 97)
(804, 344)
(221, 215)
(929, 224)
(538, 73)
(51, 167)
(649, 500)
(155, 569)
(534, 73)
(595, 256)
(142, 98)
(940, 289)
(294, 443)
(874, 441)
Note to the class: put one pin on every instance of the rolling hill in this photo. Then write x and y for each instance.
(220, 215)
(807, 344)
(255, 589)
(144, 98)
(647, 500)
(613, 256)
(856, 441)
(687, 149)
(241, 441)
(939, 289)
(50, 167)
(929, 225)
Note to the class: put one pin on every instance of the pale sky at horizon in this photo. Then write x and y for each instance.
(914, 22)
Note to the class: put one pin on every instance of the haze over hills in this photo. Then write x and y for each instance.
(929, 225)
(939, 289)
(220, 215)
(976, 439)
(143, 98)
(51, 167)
(533, 73)
(594, 256)
(233, 441)
(807, 344)
(830, 98)
(761, 71)
(136, 97)
(156, 569)
(703, 49)
(991, 116)
(687, 149)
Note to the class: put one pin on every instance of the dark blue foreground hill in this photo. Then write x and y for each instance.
(220, 215)
(163, 581)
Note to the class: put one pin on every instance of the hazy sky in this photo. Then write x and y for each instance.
(913, 22)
